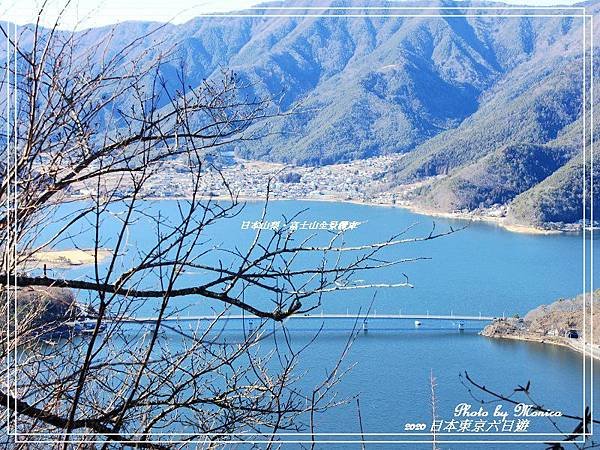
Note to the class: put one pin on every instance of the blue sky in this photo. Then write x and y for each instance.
(91, 13)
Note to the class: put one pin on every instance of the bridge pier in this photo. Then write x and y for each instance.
(365, 326)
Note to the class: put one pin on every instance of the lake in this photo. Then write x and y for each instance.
(482, 269)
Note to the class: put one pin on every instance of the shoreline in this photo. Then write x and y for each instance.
(556, 341)
(566, 322)
(469, 217)
(498, 221)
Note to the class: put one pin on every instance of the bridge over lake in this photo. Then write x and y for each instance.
(306, 317)
(460, 320)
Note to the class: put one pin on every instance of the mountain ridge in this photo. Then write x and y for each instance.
(453, 93)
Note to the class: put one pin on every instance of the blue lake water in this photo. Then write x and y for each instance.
(480, 269)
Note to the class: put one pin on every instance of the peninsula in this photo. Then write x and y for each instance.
(560, 323)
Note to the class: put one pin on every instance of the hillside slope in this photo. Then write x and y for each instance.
(558, 199)
(497, 178)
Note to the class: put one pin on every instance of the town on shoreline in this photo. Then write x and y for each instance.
(364, 181)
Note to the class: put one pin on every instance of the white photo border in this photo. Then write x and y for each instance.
(11, 259)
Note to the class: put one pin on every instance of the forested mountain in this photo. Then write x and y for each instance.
(491, 106)
(498, 177)
(559, 198)
(522, 149)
